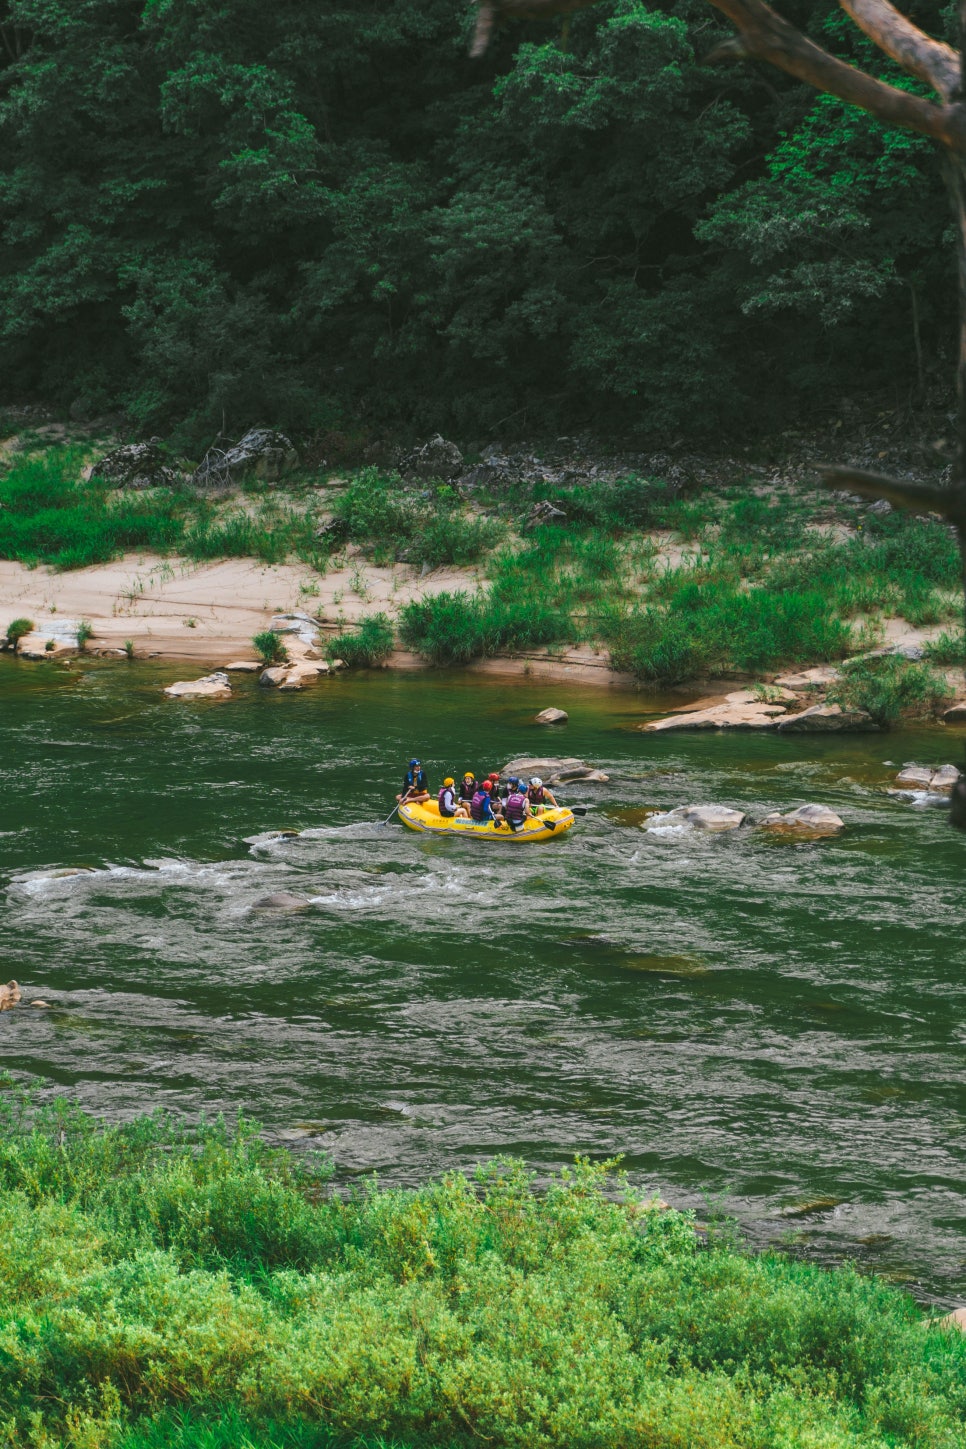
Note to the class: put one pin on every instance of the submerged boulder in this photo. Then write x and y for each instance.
(807, 822)
(281, 901)
(711, 818)
(137, 466)
(212, 686)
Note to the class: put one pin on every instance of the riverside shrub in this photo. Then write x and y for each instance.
(157, 1283)
(367, 646)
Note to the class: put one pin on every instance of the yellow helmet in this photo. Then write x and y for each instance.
(468, 775)
(449, 781)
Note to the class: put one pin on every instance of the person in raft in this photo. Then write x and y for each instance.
(516, 809)
(449, 806)
(467, 787)
(481, 806)
(539, 797)
(415, 785)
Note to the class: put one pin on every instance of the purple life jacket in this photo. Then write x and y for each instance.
(536, 794)
(480, 806)
(447, 808)
(514, 807)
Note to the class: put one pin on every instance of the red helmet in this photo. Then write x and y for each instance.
(486, 785)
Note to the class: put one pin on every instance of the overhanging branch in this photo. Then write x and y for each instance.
(902, 492)
(919, 54)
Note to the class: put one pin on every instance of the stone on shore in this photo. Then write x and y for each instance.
(262, 453)
(49, 640)
(242, 666)
(807, 822)
(818, 678)
(552, 716)
(137, 466)
(555, 771)
(213, 686)
(828, 719)
(713, 819)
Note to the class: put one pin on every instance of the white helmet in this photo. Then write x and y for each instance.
(536, 782)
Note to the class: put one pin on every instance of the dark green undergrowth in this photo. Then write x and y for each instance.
(162, 1286)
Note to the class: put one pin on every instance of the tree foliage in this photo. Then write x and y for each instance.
(312, 214)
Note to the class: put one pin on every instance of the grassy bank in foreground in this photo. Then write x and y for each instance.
(201, 1290)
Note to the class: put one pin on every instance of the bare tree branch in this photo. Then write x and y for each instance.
(929, 60)
(902, 492)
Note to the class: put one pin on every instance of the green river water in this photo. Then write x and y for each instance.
(779, 1027)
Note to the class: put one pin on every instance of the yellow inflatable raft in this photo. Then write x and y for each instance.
(426, 818)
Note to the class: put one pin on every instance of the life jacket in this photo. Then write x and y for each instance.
(467, 789)
(479, 806)
(535, 794)
(513, 809)
(415, 780)
(447, 805)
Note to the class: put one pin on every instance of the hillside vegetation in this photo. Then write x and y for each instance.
(200, 1290)
(331, 218)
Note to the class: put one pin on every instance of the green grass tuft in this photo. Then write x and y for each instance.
(888, 687)
(366, 647)
(269, 647)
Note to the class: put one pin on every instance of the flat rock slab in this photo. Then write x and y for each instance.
(213, 686)
(711, 818)
(829, 719)
(817, 678)
(555, 771)
(242, 666)
(755, 716)
(807, 822)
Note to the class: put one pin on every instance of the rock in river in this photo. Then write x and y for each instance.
(924, 777)
(281, 901)
(710, 818)
(552, 716)
(213, 686)
(9, 996)
(555, 771)
(808, 822)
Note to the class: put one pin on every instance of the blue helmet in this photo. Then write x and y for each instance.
(413, 764)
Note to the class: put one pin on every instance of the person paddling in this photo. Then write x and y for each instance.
(516, 811)
(539, 796)
(415, 785)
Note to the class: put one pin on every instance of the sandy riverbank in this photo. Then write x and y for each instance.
(207, 613)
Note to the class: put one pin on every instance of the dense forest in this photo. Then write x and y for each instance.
(326, 215)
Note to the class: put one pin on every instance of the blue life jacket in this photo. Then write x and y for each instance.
(415, 780)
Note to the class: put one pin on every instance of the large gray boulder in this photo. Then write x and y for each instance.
(436, 458)
(261, 453)
(138, 466)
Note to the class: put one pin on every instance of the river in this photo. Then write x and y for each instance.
(775, 1028)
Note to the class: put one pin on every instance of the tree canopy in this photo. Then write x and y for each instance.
(317, 214)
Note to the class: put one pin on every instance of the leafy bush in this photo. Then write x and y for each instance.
(269, 647)
(455, 628)
(85, 631)
(367, 646)
(708, 627)
(887, 687)
(147, 1266)
(391, 521)
(18, 630)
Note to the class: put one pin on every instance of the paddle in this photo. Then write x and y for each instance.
(391, 813)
